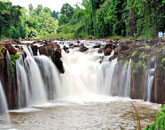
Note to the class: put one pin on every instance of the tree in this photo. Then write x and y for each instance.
(67, 10)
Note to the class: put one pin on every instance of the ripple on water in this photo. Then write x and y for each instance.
(73, 115)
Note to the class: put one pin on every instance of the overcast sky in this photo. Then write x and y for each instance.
(53, 4)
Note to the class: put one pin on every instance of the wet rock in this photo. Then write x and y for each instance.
(57, 61)
(97, 46)
(35, 49)
(116, 50)
(78, 42)
(83, 48)
(101, 50)
(11, 49)
(124, 47)
(66, 49)
(108, 49)
(53, 51)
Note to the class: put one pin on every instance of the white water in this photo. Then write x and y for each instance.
(26, 49)
(4, 116)
(150, 80)
(50, 76)
(80, 69)
(84, 77)
(22, 82)
(37, 90)
(128, 81)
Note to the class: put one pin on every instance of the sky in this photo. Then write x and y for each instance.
(52, 4)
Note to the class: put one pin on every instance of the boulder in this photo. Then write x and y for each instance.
(83, 48)
(66, 49)
(108, 49)
(11, 49)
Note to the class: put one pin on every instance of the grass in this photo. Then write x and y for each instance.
(56, 36)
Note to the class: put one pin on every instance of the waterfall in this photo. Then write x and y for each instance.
(149, 82)
(50, 76)
(22, 82)
(128, 81)
(4, 116)
(108, 75)
(37, 90)
(9, 69)
(104, 77)
(28, 51)
(79, 73)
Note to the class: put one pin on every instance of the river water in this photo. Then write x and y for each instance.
(75, 114)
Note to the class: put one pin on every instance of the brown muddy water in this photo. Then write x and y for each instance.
(72, 115)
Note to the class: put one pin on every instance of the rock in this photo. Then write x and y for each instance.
(78, 41)
(97, 46)
(108, 49)
(124, 47)
(116, 50)
(57, 61)
(11, 49)
(54, 51)
(66, 49)
(48, 48)
(35, 49)
(101, 50)
(83, 48)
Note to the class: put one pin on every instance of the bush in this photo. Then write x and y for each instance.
(160, 123)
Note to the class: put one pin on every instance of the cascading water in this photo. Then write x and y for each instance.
(149, 82)
(22, 82)
(4, 116)
(50, 76)
(36, 86)
(128, 81)
(79, 72)
(107, 72)
(28, 53)
(9, 69)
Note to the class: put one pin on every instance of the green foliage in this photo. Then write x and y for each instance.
(160, 123)
(148, 47)
(107, 18)
(121, 56)
(163, 60)
(96, 18)
(143, 55)
(10, 26)
(134, 53)
(139, 64)
(56, 36)
(17, 22)
(14, 58)
(1, 53)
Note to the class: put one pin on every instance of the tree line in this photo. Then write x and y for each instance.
(107, 18)
(17, 22)
(96, 18)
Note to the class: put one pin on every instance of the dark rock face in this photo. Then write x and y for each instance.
(141, 53)
(57, 61)
(83, 48)
(54, 51)
(66, 49)
(11, 49)
(108, 49)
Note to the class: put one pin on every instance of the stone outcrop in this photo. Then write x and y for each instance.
(144, 54)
